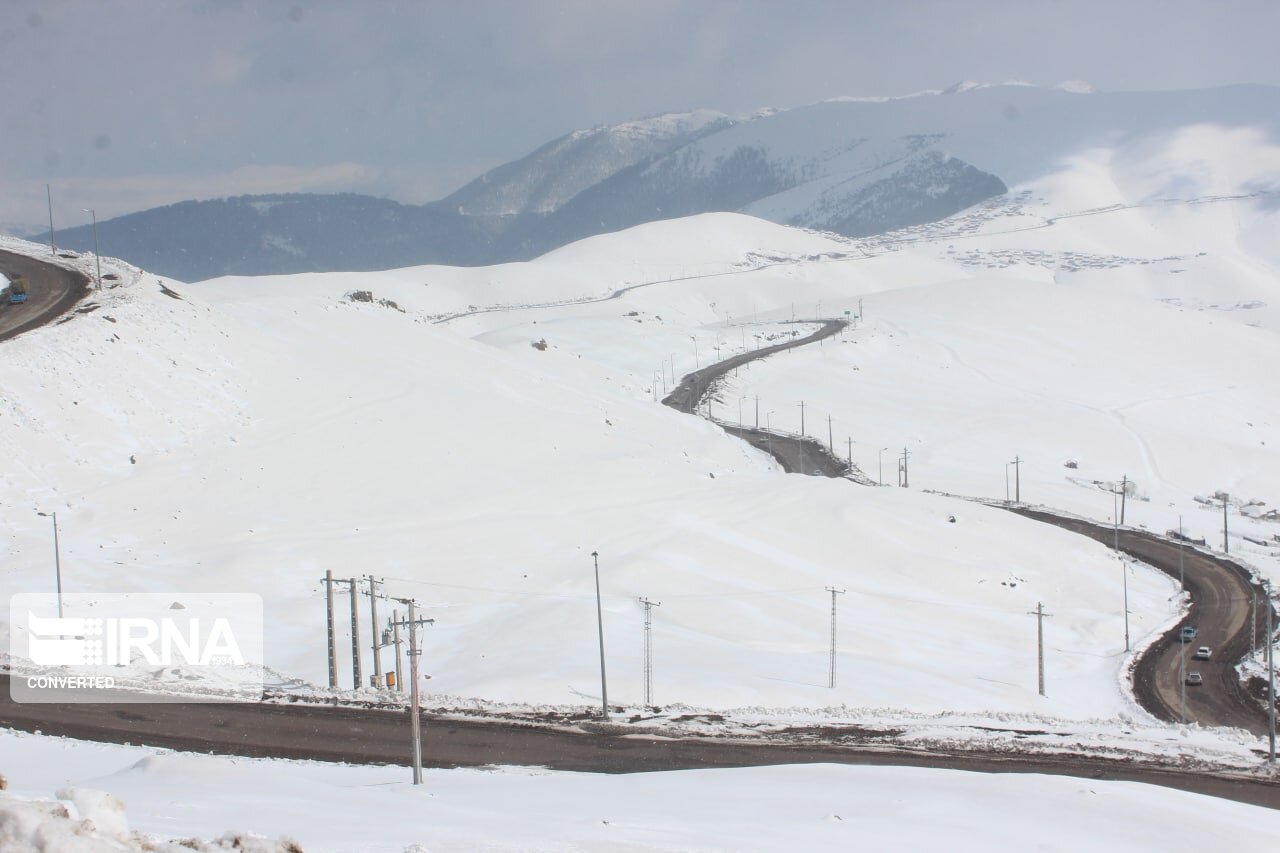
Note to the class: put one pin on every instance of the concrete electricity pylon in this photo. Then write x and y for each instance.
(831, 667)
(648, 648)
(415, 699)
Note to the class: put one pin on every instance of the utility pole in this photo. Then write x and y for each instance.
(648, 648)
(333, 634)
(757, 411)
(96, 256)
(604, 688)
(1017, 480)
(1124, 495)
(1124, 573)
(397, 642)
(415, 700)
(849, 439)
(1226, 547)
(831, 667)
(373, 631)
(49, 194)
(1271, 679)
(1124, 569)
(57, 563)
(831, 444)
(905, 483)
(1040, 615)
(800, 440)
(356, 673)
(1182, 677)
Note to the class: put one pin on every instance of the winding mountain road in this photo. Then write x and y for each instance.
(378, 736)
(52, 291)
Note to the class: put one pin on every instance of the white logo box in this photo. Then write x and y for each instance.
(135, 647)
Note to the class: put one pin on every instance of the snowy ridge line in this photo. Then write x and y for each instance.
(871, 247)
(932, 232)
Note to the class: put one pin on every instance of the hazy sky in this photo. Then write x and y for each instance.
(126, 104)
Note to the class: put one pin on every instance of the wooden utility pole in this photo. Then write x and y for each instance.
(1017, 480)
(905, 482)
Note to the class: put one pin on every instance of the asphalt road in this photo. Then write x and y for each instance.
(51, 292)
(1222, 597)
(381, 737)
(1222, 594)
(371, 736)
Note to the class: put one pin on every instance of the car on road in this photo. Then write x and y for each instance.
(1187, 634)
(1193, 678)
(1203, 653)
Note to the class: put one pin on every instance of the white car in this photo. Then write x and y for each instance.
(1193, 678)
(1203, 653)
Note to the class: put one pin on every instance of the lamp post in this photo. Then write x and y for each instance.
(57, 559)
(1124, 570)
(97, 258)
(604, 689)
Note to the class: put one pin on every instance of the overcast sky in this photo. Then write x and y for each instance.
(126, 104)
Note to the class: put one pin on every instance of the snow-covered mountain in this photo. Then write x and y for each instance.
(549, 177)
(856, 167)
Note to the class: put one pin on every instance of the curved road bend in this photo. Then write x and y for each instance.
(370, 736)
(376, 736)
(1221, 591)
(52, 291)
(795, 454)
(1221, 598)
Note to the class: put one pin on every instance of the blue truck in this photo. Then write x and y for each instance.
(17, 291)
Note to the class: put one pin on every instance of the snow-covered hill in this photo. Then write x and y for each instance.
(549, 177)
(1114, 315)
(854, 167)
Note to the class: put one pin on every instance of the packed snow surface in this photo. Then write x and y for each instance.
(473, 435)
(162, 796)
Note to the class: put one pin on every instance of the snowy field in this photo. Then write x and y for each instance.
(321, 807)
(473, 435)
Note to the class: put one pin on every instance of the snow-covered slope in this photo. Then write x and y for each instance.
(260, 431)
(543, 181)
(818, 807)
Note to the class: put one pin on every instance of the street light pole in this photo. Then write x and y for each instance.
(96, 256)
(604, 688)
(49, 194)
(57, 559)
(1124, 569)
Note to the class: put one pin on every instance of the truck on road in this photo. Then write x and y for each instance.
(17, 291)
